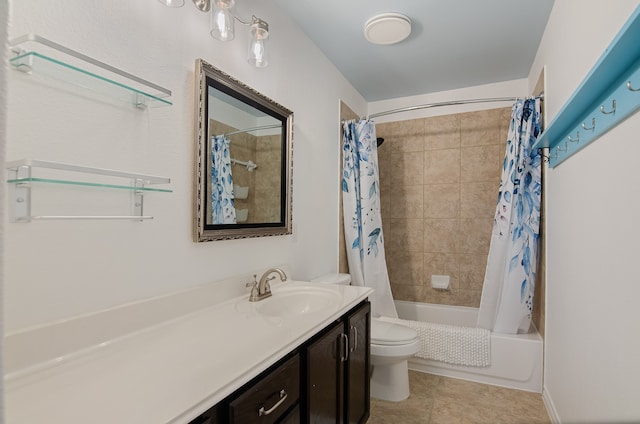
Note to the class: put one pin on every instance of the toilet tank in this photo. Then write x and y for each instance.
(338, 279)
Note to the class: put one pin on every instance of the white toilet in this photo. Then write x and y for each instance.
(391, 346)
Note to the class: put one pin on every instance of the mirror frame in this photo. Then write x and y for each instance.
(203, 231)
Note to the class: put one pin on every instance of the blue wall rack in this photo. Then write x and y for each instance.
(609, 94)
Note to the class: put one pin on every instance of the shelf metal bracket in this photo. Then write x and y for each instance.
(138, 198)
(20, 195)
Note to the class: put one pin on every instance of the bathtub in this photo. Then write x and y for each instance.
(516, 360)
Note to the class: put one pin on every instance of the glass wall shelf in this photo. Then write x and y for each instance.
(85, 184)
(21, 181)
(36, 55)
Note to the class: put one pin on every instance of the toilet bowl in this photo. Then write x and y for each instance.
(391, 346)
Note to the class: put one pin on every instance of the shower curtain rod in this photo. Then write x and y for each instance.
(449, 103)
(264, 127)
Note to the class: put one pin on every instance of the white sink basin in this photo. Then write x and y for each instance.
(302, 300)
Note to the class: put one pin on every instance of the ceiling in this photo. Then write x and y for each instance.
(453, 43)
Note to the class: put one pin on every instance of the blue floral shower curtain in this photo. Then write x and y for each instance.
(222, 201)
(507, 294)
(362, 219)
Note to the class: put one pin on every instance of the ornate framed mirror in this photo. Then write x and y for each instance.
(243, 160)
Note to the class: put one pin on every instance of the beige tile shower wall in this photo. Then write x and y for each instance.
(439, 181)
(243, 148)
(267, 179)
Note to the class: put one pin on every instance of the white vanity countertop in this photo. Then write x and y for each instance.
(170, 372)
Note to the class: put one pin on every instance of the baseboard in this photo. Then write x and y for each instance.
(551, 409)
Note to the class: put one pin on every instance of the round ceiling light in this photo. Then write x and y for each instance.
(387, 28)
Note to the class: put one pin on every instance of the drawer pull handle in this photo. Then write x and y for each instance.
(344, 347)
(283, 397)
(354, 331)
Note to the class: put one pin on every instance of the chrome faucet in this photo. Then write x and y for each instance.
(262, 290)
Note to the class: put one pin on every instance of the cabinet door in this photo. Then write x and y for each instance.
(325, 377)
(358, 328)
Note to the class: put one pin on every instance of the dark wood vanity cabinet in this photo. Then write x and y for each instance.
(337, 377)
(325, 380)
(325, 376)
(358, 325)
(270, 399)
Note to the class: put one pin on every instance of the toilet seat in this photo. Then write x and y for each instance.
(386, 333)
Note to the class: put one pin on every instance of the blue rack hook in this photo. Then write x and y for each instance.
(613, 108)
(584, 127)
(577, 139)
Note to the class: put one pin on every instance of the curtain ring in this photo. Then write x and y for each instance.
(584, 127)
(577, 139)
(545, 157)
(630, 88)
(613, 108)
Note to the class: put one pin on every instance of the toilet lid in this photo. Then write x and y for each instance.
(390, 334)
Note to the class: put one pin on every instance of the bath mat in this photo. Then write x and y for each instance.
(452, 344)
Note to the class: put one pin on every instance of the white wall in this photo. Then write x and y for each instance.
(59, 269)
(4, 18)
(593, 285)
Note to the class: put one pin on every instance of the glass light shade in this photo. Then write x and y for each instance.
(202, 5)
(172, 3)
(258, 43)
(222, 21)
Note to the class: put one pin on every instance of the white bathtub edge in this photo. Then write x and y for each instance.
(438, 368)
(516, 359)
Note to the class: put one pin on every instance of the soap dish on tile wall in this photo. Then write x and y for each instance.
(240, 192)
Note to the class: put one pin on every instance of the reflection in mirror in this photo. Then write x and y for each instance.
(243, 182)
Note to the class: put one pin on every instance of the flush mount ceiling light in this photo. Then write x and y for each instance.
(387, 28)
(223, 28)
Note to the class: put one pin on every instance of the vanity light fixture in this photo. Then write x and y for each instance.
(172, 3)
(222, 22)
(259, 34)
(223, 27)
(202, 5)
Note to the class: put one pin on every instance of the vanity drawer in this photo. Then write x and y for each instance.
(268, 399)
